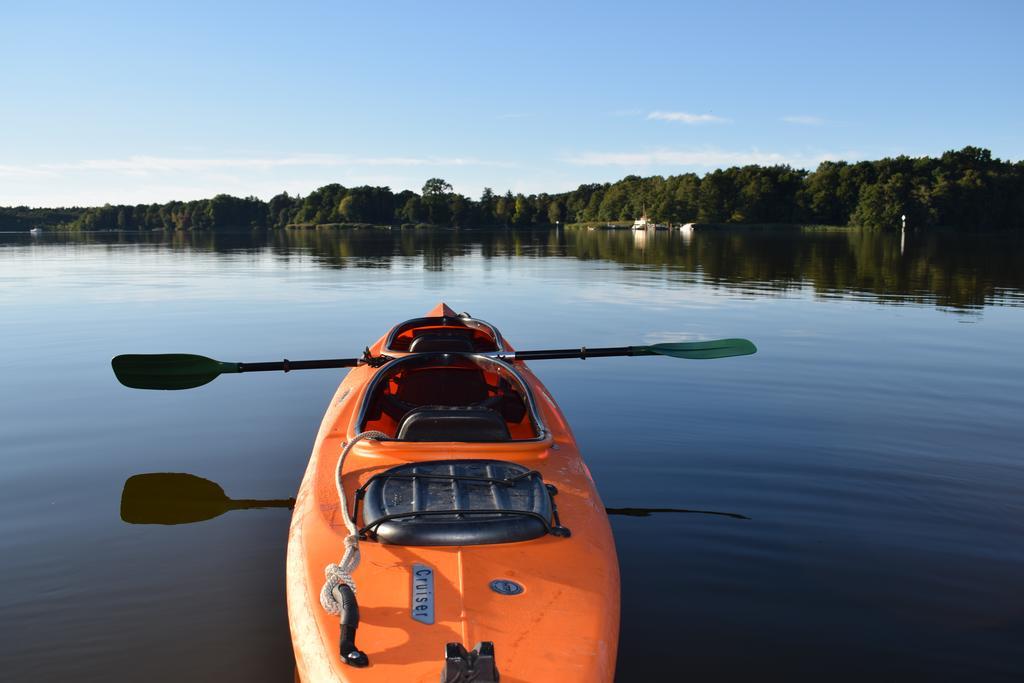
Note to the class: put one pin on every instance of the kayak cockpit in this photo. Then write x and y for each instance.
(444, 333)
(450, 397)
(454, 397)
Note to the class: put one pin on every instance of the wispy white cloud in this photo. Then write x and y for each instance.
(685, 117)
(11, 171)
(803, 120)
(707, 158)
(154, 164)
(149, 178)
(147, 165)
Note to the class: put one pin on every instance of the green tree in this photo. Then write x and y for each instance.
(523, 212)
(412, 211)
(715, 202)
(504, 207)
(436, 197)
(436, 187)
(882, 204)
(556, 212)
(460, 212)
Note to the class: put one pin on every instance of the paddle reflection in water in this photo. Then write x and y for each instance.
(182, 498)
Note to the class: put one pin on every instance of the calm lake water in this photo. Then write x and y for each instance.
(875, 441)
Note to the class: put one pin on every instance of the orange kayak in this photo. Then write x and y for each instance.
(485, 550)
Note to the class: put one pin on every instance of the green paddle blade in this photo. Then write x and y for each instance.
(700, 350)
(168, 370)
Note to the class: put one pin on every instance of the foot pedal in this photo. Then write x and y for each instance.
(476, 665)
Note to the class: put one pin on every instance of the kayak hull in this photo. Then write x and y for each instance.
(561, 626)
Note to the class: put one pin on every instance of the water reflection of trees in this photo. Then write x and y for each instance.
(948, 269)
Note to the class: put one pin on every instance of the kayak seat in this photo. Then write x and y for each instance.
(441, 341)
(458, 502)
(453, 423)
(480, 335)
(438, 379)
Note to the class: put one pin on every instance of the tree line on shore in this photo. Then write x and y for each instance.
(966, 189)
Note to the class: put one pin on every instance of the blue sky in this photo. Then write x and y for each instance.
(151, 101)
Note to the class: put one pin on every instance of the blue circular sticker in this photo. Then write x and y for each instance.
(506, 587)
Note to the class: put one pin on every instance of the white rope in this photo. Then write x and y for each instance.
(341, 573)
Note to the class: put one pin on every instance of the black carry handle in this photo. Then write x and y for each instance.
(349, 617)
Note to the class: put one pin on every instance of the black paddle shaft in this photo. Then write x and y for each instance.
(582, 352)
(287, 365)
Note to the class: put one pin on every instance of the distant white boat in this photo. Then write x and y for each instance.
(645, 223)
(642, 222)
(35, 231)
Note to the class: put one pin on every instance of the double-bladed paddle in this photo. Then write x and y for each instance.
(186, 371)
(181, 498)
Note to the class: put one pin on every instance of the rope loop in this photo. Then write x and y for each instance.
(341, 573)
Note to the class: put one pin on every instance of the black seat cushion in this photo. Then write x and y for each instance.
(473, 503)
(441, 342)
(453, 423)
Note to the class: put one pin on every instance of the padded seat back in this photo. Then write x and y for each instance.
(441, 341)
(453, 423)
(456, 502)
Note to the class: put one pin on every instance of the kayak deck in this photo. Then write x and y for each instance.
(549, 604)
